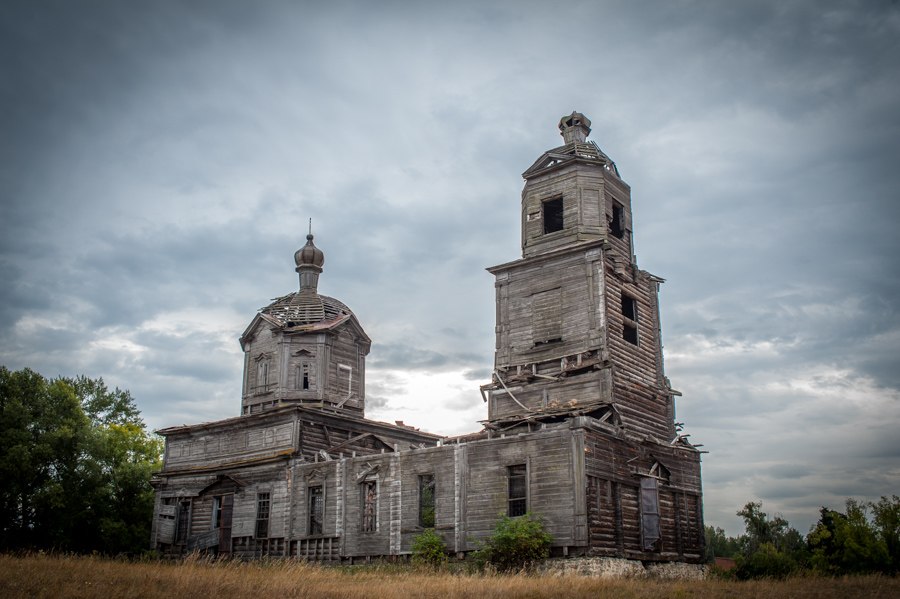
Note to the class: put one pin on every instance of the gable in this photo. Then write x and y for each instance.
(223, 483)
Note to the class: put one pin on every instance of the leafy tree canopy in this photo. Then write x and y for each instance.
(76, 461)
(863, 539)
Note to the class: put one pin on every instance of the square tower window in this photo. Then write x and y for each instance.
(553, 215)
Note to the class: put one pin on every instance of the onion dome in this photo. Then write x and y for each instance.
(306, 308)
(309, 255)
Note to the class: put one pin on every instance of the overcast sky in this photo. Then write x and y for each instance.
(159, 162)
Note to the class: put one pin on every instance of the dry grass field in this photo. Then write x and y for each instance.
(48, 576)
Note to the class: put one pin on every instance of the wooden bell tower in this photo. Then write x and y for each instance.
(577, 322)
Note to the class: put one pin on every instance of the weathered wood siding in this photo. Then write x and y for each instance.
(614, 466)
(581, 189)
(550, 483)
(238, 439)
(639, 387)
(438, 462)
(523, 319)
(345, 371)
(540, 394)
(327, 475)
(333, 360)
(264, 345)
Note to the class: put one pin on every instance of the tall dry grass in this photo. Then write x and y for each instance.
(62, 576)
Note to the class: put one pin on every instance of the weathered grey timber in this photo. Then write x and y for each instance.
(580, 429)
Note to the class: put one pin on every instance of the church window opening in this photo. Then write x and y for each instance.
(650, 514)
(617, 224)
(262, 515)
(304, 377)
(217, 512)
(517, 490)
(316, 510)
(262, 374)
(369, 497)
(553, 215)
(183, 522)
(629, 319)
(345, 379)
(426, 501)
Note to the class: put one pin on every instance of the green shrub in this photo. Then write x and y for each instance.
(765, 562)
(429, 549)
(517, 544)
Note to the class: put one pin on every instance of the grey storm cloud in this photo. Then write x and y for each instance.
(160, 162)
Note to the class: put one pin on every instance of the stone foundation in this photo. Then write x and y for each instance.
(613, 567)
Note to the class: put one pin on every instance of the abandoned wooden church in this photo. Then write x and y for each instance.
(580, 427)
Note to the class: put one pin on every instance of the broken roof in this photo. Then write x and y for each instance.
(580, 151)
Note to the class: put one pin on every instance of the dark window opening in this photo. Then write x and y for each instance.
(553, 215)
(426, 501)
(316, 510)
(629, 307)
(305, 383)
(217, 512)
(183, 522)
(548, 341)
(617, 224)
(262, 515)
(630, 319)
(629, 334)
(518, 490)
(370, 506)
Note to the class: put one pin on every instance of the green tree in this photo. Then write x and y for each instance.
(769, 547)
(720, 545)
(886, 517)
(76, 461)
(847, 543)
(516, 544)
